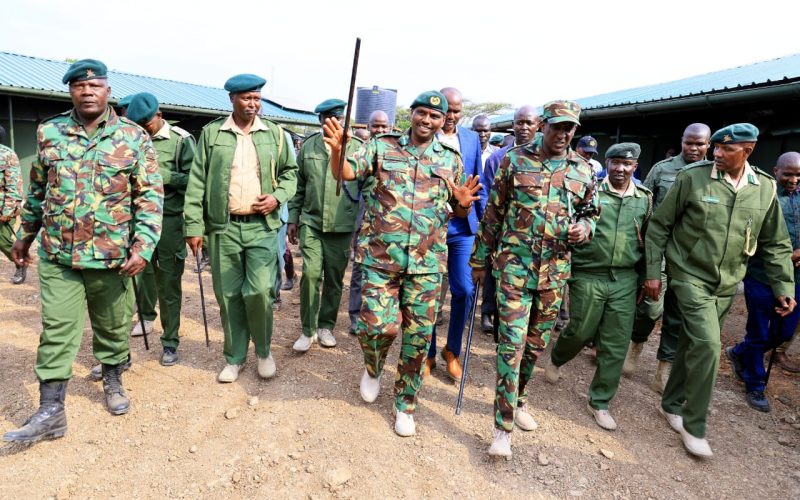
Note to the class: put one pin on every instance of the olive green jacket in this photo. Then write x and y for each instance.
(662, 176)
(175, 156)
(206, 207)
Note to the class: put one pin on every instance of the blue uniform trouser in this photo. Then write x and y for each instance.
(461, 288)
(765, 331)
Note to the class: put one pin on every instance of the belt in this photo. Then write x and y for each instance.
(246, 218)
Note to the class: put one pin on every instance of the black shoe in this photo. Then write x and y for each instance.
(117, 400)
(277, 304)
(20, 275)
(288, 284)
(487, 325)
(169, 357)
(757, 400)
(96, 374)
(439, 319)
(735, 363)
(49, 421)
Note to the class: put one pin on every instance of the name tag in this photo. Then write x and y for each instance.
(711, 199)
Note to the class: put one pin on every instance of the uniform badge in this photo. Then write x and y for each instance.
(89, 73)
(592, 144)
(435, 101)
(727, 138)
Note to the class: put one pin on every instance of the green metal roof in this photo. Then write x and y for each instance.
(24, 74)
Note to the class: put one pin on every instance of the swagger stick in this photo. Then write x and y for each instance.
(472, 311)
(202, 295)
(347, 117)
(139, 312)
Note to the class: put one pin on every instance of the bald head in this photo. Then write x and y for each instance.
(454, 105)
(695, 142)
(526, 123)
(791, 158)
(378, 123)
(787, 171)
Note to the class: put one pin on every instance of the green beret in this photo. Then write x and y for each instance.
(333, 107)
(624, 150)
(561, 111)
(431, 99)
(123, 103)
(142, 108)
(496, 139)
(85, 69)
(244, 83)
(738, 132)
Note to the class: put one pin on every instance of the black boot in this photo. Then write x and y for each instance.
(19, 275)
(117, 400)
(49, 421)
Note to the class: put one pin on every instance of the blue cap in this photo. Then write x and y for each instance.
(588, 143)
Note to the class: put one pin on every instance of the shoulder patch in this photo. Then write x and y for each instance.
(180, 131)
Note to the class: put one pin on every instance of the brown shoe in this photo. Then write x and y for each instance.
(453, 364)
(786, 363)
(429, 365)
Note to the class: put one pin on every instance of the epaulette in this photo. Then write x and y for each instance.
(665, 160)
(180, 131)
(759, 171)
(221, 119)
(59, 115)
(388, 134)
(451, 148)
(642, 187)
(697, 164)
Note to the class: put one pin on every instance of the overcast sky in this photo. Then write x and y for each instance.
(516, 52)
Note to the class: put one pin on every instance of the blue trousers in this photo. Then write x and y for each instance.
(765, 330)
(461, 288)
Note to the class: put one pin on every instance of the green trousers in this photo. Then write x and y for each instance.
(7, 237)
(398, 303)
(161, 280)
(601, 310)
(649, 311)
(694, 371)
(65, 295)
(244, 260)
(325, 259)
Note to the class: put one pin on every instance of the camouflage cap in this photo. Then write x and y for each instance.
(142, 108)
(737, 132)
(244, 83)
(588, 143)
(561, 111)
(334, 107)
(431, 99)
(85, 69)
(624, 150)
(123, 103)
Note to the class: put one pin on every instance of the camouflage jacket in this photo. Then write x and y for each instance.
(531, 205)
(10, 183)
(175, 149)
(96, 198)
(405, 223)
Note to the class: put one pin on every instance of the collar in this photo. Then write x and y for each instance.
(231, 125)
(109, 117)
(163, 132)
(749, 174)
(606, 187)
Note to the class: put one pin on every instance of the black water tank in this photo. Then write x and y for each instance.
(373, 98)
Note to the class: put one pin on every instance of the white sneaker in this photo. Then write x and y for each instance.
(326, 338)
(303, 344)
(524, 420)
(137, 328)
(266, 367)
(501, 446)
(552, 372)
(404, 424)
(370, 387)
(602, 417)
(698, 447)
(229, 374)
(674, 421)
(632, 358)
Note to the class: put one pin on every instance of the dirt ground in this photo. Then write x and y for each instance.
(307, 434)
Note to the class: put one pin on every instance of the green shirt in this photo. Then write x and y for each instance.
(708, 230)
(175, 149)
(662, 176)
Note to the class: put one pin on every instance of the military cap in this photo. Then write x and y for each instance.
(588, 143)
(431, 99)
(85, 69)
(624, 150)
(142, 108)
(125, 101)
(244, 83)
(738, 132)
(333, 107)
(561, 111)
(496, 139)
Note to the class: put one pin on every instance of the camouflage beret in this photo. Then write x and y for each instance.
(244, 83)
(85, 69)
(738, 132)
(496, 139)
(624, 150)
(561, 111)
(123, 103)
(142, 108)
(432, 100)
(333, 107)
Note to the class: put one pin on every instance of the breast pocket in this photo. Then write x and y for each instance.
(112, 182)
(394, 174)
(528, 189)
(111, 234)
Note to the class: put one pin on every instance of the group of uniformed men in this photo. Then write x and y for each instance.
(114, 197)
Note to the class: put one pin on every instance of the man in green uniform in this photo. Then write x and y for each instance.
(10, 201)
(242, 172)
(694, 145)
(402, 246)
(542, 200)
(715, 216)
(161, 279)
(605, 278)
(326, 224)
(96, 194)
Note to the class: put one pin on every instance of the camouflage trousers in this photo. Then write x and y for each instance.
(395, 303)
(527, 318)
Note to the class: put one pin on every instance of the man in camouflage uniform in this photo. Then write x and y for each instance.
(242, 172)
(161, 279)
(96, 194)
(605, 278)
(694, 145)
(10, 201)
(402, 246)
(542, 200)
(326, 225)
